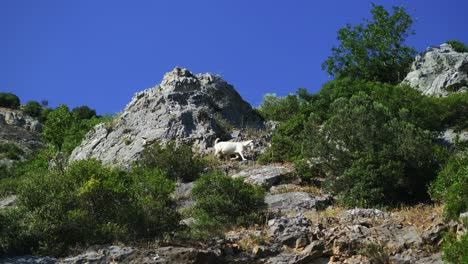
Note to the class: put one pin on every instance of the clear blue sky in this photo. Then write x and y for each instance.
(99, 53)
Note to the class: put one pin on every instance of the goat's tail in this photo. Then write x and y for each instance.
(216, 141)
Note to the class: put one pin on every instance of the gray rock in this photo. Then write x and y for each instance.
(290, 231)
(183, 195)
(439, 71)
(463, 215)
(187, 108)
(450, 135)
(8, 201)
(28, 260)
(296, 202)
(264, 175)
(184, 255)
(21, 130)
(110, 254)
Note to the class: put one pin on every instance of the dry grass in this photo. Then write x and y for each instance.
(420, 216)
(327, 217)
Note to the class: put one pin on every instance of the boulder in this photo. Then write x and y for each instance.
(265, 176)
(188, 108)
(8, 201)
(439, 71)
(296, 202)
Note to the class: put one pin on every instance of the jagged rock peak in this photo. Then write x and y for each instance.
(188, 108)
(439, 71)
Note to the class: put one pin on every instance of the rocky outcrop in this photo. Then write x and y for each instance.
(19, 130)
(439, 71)
(188, 108)
(266, 176)
(296, 202)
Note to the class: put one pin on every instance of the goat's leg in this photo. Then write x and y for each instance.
(242, 156)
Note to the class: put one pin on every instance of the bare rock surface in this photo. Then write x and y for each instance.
(20, 130)
(296, 202)
(266, 176)
(188, 108)
(439, 71)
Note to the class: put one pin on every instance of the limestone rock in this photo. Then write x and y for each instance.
(296, 202)
(8, 201)
(188, 108)
(439, 71)
(264, 175)
(20, 130)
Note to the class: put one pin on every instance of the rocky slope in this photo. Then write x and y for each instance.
(310, 230)
(185, 107)
(439, 71)
(19, 130)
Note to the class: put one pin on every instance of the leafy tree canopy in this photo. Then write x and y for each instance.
(374, 51)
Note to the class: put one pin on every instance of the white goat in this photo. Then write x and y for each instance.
(229, 148)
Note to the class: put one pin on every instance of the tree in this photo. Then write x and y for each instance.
(84, 112)
(371, 155)
(33, 109)
(9, 100)
(374, 51)
(57, 126)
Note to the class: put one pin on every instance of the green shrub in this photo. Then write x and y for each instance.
(278, 108)
(85, 204)
(371, 156)
(178, 162)
(451, 186)
(458, 45)
(83, 112)
(9, 100)
(33, 109)
(286, 142)
(10, 151)
(222, 202)
(455, 250)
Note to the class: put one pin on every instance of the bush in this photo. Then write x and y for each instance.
(371, 156)
(33, 109)
(87, 204)
(83, 112)
(178, 162)
(454, 250)
(458, 46)
(278, 108)
(222, 202)
(10, 151)
(286, 142)
(9, 100)
(451, 186)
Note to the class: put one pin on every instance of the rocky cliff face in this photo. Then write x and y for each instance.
(19, 130)
(439, 71)
(185, 107)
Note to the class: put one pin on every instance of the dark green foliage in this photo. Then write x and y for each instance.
(10, 151)
(451, 186)
(287, 141)
(9, 100)
(371, 155)
(374, 51)
(84, 112)
(84, 204)
(33, 109)
(64, 130)
(458, 46)
(178, 162)
(278, 108)
(455, 250)
(221, 202)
